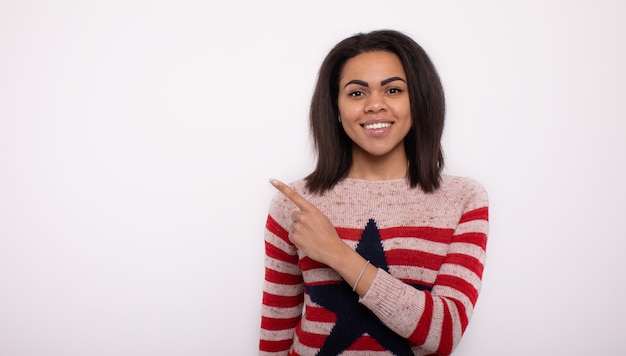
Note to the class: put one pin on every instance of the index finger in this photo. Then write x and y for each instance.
(292, 195)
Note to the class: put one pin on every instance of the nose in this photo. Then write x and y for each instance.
(375, 103)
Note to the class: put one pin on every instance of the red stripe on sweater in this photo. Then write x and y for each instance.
(320, 314)
(423, 325)
(282, 278)
(307, 264)
(268, 323)
(350, 234)
(276, 253)
(323, 283)
(274, 227)
(273, 300)
(462, 314)
(312, 340)
(366, 343)
(466, 261)
(445, 343)
(475, 238)
(459, 284)
(425, 233)
(476, 214)
(404, 257)
(275, 346)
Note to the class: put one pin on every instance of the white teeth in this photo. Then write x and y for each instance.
(377, 126)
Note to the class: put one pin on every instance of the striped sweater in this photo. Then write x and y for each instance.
(429, 250)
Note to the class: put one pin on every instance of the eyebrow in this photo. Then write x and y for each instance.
(365, 84)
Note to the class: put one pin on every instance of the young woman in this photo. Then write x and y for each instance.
(375, 252)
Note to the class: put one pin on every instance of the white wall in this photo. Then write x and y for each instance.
(137, 138)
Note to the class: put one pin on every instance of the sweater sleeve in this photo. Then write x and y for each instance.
(436, 320)
(283, 289)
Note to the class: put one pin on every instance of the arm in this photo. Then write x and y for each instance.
(317, 238)
(282, 290)
(436, 320)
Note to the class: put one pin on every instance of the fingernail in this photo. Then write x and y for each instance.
(274, 182)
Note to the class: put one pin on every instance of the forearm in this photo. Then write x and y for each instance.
(354, 269)
(432, 321)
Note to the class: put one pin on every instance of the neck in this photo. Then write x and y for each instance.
(393, 165)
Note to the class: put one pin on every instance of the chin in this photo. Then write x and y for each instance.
(377, 153)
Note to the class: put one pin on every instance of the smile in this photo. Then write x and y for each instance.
(377, 126)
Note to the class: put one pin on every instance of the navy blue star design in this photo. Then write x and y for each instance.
(353, 319)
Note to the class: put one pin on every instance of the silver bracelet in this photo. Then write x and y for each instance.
(360, 275)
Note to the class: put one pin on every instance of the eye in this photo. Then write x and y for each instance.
(394, 91)
(356, 93)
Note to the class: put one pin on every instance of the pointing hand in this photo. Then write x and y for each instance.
(313, 233)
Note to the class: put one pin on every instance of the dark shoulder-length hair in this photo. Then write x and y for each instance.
(333, 147)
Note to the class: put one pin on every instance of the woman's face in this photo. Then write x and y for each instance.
(374, 103)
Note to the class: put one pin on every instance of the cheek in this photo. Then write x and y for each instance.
(347, 105)
(344, 109)
(350, 113)
(402, 109)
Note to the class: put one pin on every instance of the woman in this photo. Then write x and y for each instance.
(376, 250)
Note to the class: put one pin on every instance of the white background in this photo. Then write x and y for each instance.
(137, 139)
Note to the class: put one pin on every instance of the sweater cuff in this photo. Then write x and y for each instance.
(394, 303)
(383, 295)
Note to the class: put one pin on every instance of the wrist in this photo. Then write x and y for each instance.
(358, 278)
(340, 255)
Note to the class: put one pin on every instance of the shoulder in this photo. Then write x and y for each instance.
(464, 192)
